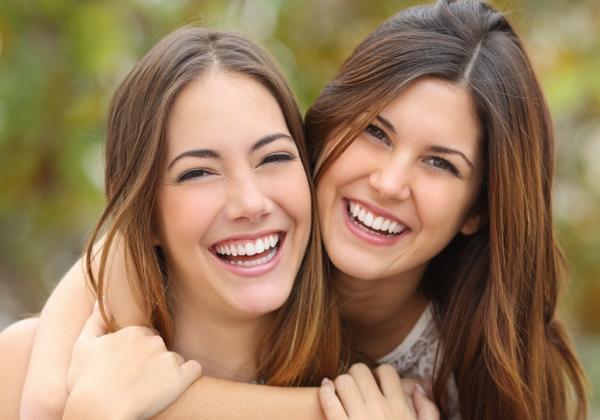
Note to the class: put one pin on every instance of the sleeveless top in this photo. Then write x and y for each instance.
(414, 357)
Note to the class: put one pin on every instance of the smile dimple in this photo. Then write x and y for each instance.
(249, 253)
(374, 223)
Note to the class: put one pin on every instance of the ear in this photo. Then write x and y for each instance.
(472, 223)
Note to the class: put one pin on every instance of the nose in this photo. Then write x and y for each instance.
(391, 179)
(247, 200)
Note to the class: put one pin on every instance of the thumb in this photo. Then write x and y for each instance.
(94, 326)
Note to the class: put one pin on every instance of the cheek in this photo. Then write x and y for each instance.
(443, 206)
(184, 215)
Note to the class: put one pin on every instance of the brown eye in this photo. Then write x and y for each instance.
(378, 134)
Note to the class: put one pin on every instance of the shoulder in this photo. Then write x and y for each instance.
(15, 347)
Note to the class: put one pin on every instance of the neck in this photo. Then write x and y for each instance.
(380, 312)
(225, 347)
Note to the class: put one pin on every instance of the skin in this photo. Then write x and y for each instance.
(404, 173)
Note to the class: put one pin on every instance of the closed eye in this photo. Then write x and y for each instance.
(442, 164)
(379, 134)
(277, 157)
(194, 173)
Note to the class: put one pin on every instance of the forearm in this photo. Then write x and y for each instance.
(210, 398)
(45, 390)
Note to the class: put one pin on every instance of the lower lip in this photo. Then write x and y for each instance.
(367, 236)
(256, 270)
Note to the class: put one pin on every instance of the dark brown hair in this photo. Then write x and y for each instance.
(303, 344)
(495, 292)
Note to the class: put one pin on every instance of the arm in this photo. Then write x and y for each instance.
(15, 347)
(61, 320)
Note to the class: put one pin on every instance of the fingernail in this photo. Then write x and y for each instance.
(420, 389)
(325, 381)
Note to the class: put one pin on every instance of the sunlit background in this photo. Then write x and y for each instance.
(60, 61)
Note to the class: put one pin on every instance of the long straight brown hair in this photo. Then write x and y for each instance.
(303, 343)
(495, 292)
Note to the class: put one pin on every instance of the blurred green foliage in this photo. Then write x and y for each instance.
(60, 61)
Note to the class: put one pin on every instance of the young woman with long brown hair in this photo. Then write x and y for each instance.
(216, 218)
(433, 156)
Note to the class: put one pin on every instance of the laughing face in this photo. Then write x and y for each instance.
(406, 186)
(233, 207)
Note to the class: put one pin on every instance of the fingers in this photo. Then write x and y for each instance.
(330, 403)
(350, 395)
(366, 383)
(389, 380)
(191, 371)
(424, 407)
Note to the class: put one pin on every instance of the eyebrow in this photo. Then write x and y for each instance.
(213, 154)
(446, 150)
(387, 124)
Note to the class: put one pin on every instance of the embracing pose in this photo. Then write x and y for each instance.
(432, 152)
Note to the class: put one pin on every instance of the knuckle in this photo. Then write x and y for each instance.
(343, 381)
(386, 369)
(359, 369)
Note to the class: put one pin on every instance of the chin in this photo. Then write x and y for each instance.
(263, 300)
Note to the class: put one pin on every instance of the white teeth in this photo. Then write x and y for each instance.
(258, 261)
(377, 223)
(385, 225)
(361, 215)
(368, 219)
(259, 246)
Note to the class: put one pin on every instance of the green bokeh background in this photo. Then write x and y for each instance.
(60, 61)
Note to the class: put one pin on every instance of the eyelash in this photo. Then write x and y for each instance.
(379, 134)
(201, 173)
(277, 158)
(194, 173)
(442, 164)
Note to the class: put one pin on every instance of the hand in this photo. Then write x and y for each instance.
(360, 397)
(126, 374)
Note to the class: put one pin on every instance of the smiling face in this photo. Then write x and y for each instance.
(404, 188)
(233, 207)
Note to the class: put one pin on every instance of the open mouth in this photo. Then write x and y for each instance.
(373, 223)
(250, 253)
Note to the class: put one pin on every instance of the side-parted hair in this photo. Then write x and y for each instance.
(303, 343)
(495, 292)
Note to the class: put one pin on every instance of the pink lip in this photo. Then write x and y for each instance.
(367, 236)
(257, 270)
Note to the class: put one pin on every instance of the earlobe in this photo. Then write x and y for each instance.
(472, 224)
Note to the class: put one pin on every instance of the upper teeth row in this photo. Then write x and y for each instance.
(249, 248)
(374, 222)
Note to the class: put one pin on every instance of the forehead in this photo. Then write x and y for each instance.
(222, 110)
(437, 112)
